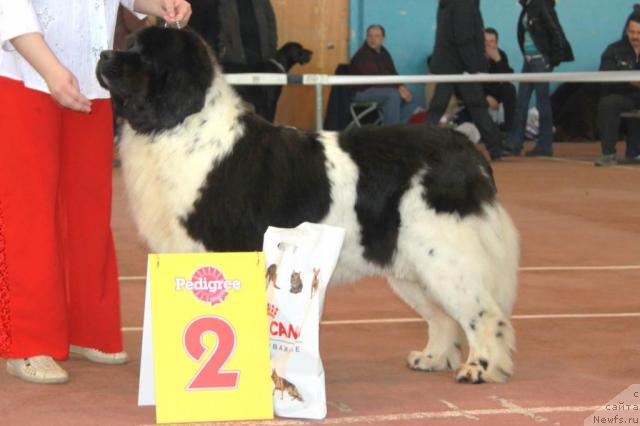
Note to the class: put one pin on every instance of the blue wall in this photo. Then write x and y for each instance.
(590, 25)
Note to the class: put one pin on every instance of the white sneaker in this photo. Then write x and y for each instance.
(606, 160)
(99, 356)
(37, 369)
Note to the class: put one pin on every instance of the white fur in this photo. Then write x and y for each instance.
(466, 286)
(164, 173)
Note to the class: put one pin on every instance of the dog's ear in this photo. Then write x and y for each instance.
(180, 70)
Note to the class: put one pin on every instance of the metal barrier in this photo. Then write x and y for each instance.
(321, 80)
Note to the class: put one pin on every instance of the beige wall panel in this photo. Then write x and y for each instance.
(323, 27)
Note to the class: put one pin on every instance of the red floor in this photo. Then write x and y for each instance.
(577, 320)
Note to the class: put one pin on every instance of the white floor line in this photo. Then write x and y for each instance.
(419, 416)
(522, 269)
(412, 320)
(579, 268)
(513, 317)
(510, 405)
(133, 278)
(454, 407)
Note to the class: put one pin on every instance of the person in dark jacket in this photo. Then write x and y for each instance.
(544, 46)
(503, 92)
(459, 48)
(374, 59)
(239, 31)
(623, 55)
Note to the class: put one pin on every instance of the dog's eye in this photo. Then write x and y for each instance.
(131, 43)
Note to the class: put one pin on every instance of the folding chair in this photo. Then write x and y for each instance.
(341, 101)
(365, 112)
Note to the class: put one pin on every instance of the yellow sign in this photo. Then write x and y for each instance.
(210, 338)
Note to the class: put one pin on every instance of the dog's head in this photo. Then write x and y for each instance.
(293, 53)
(160, 79)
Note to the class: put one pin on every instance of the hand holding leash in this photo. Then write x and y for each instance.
(176, 12)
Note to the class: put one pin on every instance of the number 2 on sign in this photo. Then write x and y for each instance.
(210, 376)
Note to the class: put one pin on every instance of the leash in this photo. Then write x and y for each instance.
(278, 64)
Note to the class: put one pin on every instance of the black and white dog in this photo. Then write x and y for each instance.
(265, 98)
(418, 203)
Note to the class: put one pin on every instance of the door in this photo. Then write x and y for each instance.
(323, 27)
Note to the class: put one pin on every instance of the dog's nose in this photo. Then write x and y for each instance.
(106, 55)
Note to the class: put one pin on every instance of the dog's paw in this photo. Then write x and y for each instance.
(419, 360)
(479, 371)
(470, 373)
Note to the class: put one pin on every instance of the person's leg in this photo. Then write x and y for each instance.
(33, 318)
(609, 109)
(388, 97)
(475, 101)
(507, 97)
(544, 145)
(92, 278)
(407, 109)
(439, 102)
(515, 139)
(632, 152)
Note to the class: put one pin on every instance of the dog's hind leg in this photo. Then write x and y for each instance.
(444, 347)
(489, 332)
(491, 341)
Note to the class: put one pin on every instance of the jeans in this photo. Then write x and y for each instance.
(609, 109)
(395, 109)
(515, 139)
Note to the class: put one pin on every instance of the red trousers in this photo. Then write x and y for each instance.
(58, 275)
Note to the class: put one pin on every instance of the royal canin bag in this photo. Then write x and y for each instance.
(299, 263)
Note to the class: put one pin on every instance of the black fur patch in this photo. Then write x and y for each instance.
(275, 176)
(388, 157)
(160, 80)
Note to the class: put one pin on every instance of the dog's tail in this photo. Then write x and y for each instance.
(500, 240)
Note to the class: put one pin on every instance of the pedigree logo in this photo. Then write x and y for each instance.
(208, 284)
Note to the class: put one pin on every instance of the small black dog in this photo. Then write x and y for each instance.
(265, 98)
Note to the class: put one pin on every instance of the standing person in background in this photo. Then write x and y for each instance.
(126, 24)
(459, 48)
(374, 59)
(499, 93)
(623, 55)
(544, 47)
(206, 22)
(58, 277)
(239, 31)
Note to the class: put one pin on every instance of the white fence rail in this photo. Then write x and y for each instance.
(320, 80)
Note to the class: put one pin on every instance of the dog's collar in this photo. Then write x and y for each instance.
(278, 64)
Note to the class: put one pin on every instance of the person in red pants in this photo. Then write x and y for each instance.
(58, 275)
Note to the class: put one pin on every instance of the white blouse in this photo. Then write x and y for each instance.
(75, 30)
